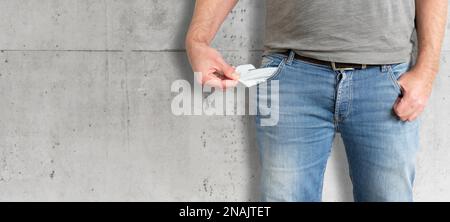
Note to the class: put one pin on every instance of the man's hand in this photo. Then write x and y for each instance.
(416, 88)
(431, 17)
(210, 68)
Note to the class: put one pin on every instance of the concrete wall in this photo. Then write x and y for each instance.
(85, 108)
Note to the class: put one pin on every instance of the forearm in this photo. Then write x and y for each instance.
(431, 17)
(207, 19)
(417, 84)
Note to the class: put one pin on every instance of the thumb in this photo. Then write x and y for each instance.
(229, 71)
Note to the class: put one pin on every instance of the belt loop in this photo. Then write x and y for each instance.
(384, 68)
(290, 57)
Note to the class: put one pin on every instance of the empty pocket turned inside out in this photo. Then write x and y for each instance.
(250, 76)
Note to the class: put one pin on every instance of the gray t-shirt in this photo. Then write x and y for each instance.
(350, 31)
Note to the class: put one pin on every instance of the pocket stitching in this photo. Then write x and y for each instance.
(268, 63)
(279, 69)
(394, 80)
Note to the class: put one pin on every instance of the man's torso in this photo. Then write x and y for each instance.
(351, 31)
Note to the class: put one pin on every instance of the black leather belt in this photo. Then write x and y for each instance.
(333, 65)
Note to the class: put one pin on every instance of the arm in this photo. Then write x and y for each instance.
(431, 17)
(206, 61)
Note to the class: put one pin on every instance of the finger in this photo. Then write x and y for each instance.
(404, 109)
(203, 76)
(405, 117)
(404, 106)
(228, 71)
(395, 107)
(214, 84)
(415, 115)
(229, 83)
(212, 81)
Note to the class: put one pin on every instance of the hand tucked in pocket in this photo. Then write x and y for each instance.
(416, 90)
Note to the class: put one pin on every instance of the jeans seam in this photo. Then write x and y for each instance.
(322, 175)
(393, 79)
(350, 97)
(279, 69)
(336, 117)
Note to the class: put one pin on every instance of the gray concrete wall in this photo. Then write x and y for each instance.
(85, 108)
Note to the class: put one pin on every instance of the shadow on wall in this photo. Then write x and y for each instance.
(338, 158)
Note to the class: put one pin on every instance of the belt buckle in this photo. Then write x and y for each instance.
(333, 65)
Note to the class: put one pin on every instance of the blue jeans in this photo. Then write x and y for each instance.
(316, 102)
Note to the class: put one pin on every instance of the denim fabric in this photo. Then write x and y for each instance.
(315, 103)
